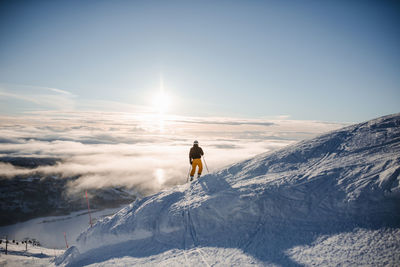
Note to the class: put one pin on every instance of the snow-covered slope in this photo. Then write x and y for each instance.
(19, 254)
(49, 231)
(289, 207)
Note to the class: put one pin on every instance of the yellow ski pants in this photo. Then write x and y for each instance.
(195, 163)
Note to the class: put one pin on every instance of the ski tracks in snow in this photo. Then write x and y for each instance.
(190, 229)
(200, 251)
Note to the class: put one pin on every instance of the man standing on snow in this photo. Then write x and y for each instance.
(195, 159)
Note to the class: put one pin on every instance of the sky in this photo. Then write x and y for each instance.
(117, 91)
(335, 61)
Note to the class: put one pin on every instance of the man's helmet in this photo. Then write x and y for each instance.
(196, 142)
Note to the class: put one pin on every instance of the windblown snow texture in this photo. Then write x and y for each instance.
(271, 208)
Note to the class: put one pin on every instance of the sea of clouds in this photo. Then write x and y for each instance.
(142, 150)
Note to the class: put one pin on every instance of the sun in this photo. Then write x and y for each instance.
(161, 102)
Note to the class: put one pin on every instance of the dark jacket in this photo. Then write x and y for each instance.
(195, 153)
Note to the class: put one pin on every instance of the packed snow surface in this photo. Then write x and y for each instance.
(331, 200)
(19, 255)
(50, 230)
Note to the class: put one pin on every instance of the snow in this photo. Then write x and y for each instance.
(17, 256)
(50, 230)
(205, 256)
(331, 200)
(362, 247)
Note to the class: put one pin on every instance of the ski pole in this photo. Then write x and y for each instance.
(205, 163)
(187, 179)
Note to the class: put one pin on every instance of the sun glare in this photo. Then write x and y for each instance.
(161, 100)
(159, 174)
(161, 103)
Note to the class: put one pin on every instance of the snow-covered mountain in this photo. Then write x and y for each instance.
(331, 200)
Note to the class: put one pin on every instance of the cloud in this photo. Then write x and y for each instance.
(225, 121)
(137, 150)
(60, 91)
(36, 97)
(226, 146)
(23, 88)
(9, 141)
(9, 171)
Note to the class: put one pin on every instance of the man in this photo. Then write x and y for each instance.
(195, 159)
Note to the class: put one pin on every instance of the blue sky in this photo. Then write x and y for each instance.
(310, 60)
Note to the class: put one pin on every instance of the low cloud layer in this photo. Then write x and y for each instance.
(145, 151)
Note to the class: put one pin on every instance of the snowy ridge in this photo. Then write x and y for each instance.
(269, 210)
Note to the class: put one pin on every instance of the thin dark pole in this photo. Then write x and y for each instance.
(65, 238)
(187, 179)
(205, 163)
(90, 216)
